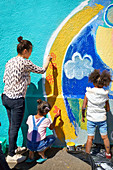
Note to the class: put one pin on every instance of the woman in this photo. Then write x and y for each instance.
(16, 79)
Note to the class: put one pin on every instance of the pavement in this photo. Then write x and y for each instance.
(58, 159)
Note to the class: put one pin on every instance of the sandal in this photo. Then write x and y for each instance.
(40, 160)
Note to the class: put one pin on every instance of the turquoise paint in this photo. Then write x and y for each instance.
(35, 20)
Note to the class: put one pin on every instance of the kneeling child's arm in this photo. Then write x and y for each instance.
(52, 126)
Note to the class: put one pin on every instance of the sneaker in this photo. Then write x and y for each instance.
(20, 150)
(15, 159)
(108, 155)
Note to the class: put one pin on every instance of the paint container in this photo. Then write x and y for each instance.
(71, 146)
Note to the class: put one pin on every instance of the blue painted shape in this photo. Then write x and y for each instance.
(83, 44)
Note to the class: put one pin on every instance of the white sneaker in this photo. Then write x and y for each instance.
(15, 159)
(20, 150)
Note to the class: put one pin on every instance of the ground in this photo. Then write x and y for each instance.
(58, 159)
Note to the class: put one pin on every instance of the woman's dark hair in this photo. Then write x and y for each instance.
(43, 107)
(100, 79)
(23, 44)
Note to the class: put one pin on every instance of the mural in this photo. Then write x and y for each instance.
(82, 42)
(79, 36)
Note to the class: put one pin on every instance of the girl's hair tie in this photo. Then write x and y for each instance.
(47, 108)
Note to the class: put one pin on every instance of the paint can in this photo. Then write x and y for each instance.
(71, 146)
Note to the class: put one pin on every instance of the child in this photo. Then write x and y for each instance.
(16, 79)
(97, 102)
(36, 137)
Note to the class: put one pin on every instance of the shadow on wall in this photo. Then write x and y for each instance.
(33, 93)
(98, 138)
(52, 95)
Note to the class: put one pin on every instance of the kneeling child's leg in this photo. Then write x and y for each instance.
(31, 154)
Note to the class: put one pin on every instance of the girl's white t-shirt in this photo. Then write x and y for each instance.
(97, 98)
(41, 130)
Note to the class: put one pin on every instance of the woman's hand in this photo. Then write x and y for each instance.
(49, 57)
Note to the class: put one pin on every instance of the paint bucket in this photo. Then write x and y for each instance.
(71, 146)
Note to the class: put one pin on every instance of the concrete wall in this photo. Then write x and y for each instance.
(79, 36)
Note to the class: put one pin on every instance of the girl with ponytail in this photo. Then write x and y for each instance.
(36, 137)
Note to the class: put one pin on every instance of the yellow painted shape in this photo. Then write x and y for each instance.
(83, 125)
(65, 130)
(104, 46)
(63, 124)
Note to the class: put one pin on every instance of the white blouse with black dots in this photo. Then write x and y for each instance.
(17, 76)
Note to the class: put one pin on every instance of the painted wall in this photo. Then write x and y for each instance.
(79, 36)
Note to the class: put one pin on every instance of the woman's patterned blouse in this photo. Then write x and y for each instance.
(17, 76)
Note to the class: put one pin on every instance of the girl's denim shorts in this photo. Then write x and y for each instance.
(91, 126)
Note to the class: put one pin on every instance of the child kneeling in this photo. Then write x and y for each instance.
(36, 136)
